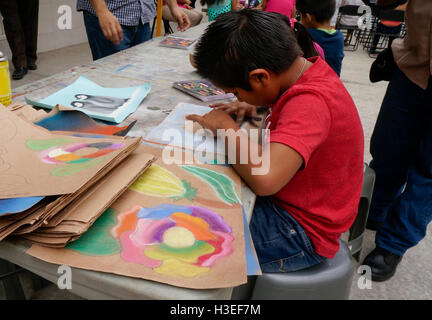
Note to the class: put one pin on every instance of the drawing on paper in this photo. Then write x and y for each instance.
(109, 104)
(98, 241)
(75, 155)
(223, 186)
(180, 241)
(160, 182)
(157, 181)
(174, 240)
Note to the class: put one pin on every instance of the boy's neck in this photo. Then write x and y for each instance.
(295, 71)
(320, 25)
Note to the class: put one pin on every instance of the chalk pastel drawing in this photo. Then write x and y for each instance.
(157, 181)
(179, 241)
(61, 151)
(220, 183)
(160, 182)
(98, 241)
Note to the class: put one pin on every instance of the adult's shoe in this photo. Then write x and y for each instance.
(19, 73)
(383, 264)
(31, 65)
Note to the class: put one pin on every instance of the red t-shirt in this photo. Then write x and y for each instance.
(317, 117)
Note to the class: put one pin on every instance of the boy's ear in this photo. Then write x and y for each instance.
(259, 78)
(307, 19)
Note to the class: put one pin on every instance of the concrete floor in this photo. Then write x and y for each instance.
(413, 279)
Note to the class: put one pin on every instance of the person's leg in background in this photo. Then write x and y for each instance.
(142, 33)
(101, 46)
(401, 148)
(194, 15)
(376, 38)
(29, 14)
(15, 36)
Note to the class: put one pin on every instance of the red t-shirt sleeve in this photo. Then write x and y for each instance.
(303, 124)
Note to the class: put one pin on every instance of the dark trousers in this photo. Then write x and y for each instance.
(102, 47)
(280, 242)
(401, 148)
(20, 20)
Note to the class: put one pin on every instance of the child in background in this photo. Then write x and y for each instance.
(310, 193)
(348, 20)
(195, 16)
(286, 7)
(315, 16)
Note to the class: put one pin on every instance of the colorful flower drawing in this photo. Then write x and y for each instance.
(174, 240)
(61, 151)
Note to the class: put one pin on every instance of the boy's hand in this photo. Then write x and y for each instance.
(215, 119)
(237, 108)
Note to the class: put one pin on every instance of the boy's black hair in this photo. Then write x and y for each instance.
(238, 42)
(322, 10)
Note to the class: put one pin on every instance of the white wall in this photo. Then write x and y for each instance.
(50, 36)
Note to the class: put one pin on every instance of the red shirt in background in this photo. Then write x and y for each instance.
(317, 117)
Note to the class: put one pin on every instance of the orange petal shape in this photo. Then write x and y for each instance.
(197, 226)
(127, 221)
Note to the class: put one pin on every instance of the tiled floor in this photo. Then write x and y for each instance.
(413, 279)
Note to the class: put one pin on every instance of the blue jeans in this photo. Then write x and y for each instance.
(401, 148)
(280, 242)
(102, 47)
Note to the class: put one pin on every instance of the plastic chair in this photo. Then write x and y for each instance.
(331, 279)
(355, 31)
(356, 232)
(384, 15)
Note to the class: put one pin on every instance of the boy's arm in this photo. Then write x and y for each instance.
(265, 171)
(277, 166)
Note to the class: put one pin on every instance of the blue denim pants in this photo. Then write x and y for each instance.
(280, 242)
(401, 148)
(102, 47)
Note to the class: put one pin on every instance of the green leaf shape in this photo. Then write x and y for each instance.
(97, 241)
(221, 183)
(190, 192)
(39, 145)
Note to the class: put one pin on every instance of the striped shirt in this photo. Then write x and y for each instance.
(128, 12)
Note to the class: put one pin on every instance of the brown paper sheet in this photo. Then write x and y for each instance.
(76, 218)
(34, 162)
(202, 245)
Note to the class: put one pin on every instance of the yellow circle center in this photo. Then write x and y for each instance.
(178, 237)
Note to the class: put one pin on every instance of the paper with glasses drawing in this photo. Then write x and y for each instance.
(109, 104)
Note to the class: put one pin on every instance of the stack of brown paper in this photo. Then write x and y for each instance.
(63, 168)
(176, 224)
(76, 218)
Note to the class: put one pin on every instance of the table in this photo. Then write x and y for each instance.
(143, 63)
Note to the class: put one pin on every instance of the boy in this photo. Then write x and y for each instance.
(309, 195)
(316, 16)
